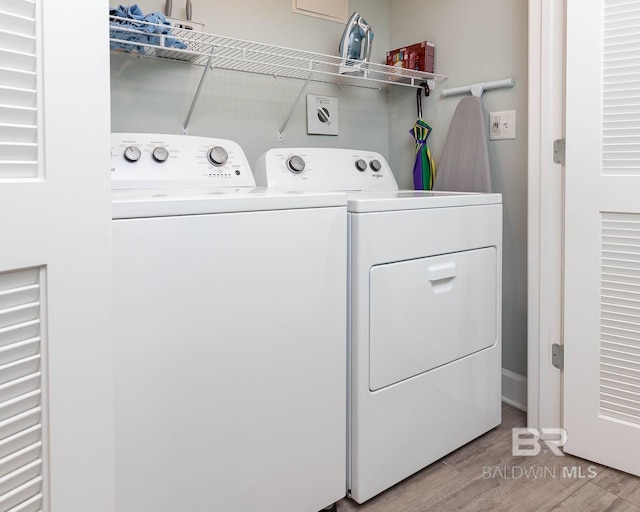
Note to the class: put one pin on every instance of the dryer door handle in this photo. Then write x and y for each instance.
(442, 271)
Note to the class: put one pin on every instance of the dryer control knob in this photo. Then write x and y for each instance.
(375, 165)
(295, 164)
(160, 154)
(217, 155)
(132, 153)
(361, 165)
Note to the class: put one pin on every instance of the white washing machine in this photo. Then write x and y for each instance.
(425, 312)
(230, 333)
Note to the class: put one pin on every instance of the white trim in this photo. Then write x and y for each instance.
(546, 123)
(533, 228)
(316, 10)
(514, 389)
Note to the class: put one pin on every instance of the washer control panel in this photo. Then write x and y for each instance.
(156, 160)
(324, 169)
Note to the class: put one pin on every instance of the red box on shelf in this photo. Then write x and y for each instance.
(418, 56)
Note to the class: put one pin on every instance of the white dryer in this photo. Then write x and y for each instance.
(230, 333)
(425, 312)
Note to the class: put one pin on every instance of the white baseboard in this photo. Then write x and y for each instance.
(514, 389)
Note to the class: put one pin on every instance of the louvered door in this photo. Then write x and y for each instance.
(602, 233)
(21, 453)
(56, 393)
(18, 95)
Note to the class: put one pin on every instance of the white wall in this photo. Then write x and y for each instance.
(152, 96)
(475, 42)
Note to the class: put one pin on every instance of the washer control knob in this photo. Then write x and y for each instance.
(160, 154)
(217, 155)
(132, 153)
(361, 165)
(295, 164)
(375, 165)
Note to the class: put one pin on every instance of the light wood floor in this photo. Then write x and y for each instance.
(484, 476)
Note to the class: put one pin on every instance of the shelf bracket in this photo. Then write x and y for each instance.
(295, 103)
(205, 72)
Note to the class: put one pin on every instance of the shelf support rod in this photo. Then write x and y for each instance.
(295, 103)
(207, 67)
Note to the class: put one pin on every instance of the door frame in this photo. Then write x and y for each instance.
(545, 210)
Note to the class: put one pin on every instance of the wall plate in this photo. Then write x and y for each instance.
(322, 115)
(502, 125)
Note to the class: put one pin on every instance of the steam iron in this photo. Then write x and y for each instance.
(355, 45)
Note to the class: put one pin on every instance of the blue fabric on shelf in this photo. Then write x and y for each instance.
(146, 34)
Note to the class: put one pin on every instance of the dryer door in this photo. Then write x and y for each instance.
(429, 312)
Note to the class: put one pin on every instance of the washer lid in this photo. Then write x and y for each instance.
(163, 202)
(363, 202)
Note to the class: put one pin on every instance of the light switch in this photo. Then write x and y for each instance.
(502, 125)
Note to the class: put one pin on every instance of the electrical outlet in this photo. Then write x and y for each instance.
(502, 125)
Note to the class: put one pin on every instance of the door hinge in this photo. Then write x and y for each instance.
(557, 356)
(558, 151)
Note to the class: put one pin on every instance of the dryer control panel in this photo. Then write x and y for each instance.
(157, 160)
(324, 169)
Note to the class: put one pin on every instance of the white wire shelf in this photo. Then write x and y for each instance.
(202, 49)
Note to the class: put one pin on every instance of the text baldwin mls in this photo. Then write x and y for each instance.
(539, 472)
